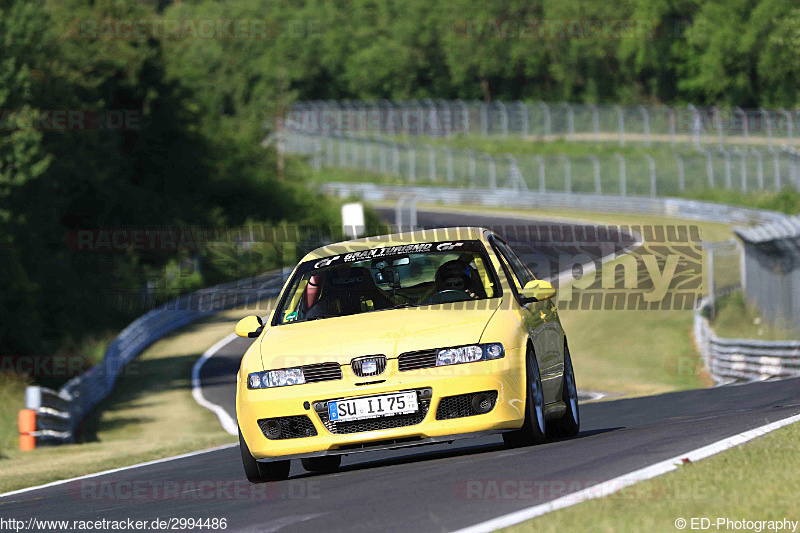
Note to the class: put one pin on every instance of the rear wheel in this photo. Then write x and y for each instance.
(327, 463)
(569, 424)
(260, 472)
(534, 430)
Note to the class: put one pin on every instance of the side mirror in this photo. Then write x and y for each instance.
(250, 326)
(537, 290)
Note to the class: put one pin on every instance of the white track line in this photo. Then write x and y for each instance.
(228, 423)
(613, 485)
(104, 472)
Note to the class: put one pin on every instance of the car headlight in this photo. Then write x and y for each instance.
(469, 354)
(275, 378)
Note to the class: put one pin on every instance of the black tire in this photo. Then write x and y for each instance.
(534, 430)
(261, 472)
(569, 424)
(327, 463)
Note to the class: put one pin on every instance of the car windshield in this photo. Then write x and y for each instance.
(388, 278)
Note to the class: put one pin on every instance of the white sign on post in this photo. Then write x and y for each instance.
(353, 220)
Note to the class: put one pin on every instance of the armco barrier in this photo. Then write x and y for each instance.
(731, 360)
(58, 414)
(672, 207)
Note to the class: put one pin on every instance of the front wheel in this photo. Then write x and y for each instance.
(260, 472)
(534, 430)
(569, 424)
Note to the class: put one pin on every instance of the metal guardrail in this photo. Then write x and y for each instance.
(672, 207)
(58, 414)
(730, 360)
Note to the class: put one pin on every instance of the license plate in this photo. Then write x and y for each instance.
(398, 403)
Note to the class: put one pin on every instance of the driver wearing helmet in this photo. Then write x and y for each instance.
(457, 275)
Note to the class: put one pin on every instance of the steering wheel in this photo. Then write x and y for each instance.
(448, 295)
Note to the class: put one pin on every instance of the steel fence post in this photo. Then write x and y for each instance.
(567, 174)
(718, 123)
(431, 163)
(789, 125)
(450, 172)
(652, 164)
(382, 158)
(742, 167)
(595, 122)
(727, 156)
(672, 126)
(368, 155)
(681, 173)
(516, 178)
(645, 124)
(492, 172)
(412, 163)
(504, 116)
(759, 169)
(473, 164)
(542, 177)
(433, 117)
(620, 124)
(709, 165)
(623, 180)
(570, 122)
(484, 112)
(396, 159)
(523, 111)
(464, 116)
(776, 161)
(767, 117)
(696, 124)
(745, 126)
(596, 169)
(547, 121)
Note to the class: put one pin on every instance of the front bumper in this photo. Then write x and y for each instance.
(506, 376)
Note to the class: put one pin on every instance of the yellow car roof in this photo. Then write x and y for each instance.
(395, 239)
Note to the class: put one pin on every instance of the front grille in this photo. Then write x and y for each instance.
(287, 427)
(416, 360)
(358, 365)
(322, 372)
(461, 405)
(374, 424)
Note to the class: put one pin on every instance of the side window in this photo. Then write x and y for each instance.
(520, 270)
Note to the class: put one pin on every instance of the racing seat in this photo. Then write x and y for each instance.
(347, 291)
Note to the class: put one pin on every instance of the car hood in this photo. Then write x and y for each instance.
(389, 332)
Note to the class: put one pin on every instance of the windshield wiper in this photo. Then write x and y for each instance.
(318, 317)
(403, 305)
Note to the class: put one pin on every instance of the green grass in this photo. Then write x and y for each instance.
(735, 318)
(134, 424)
(12, 399)
(755, 481)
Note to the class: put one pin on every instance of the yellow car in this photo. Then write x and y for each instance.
(402, 340)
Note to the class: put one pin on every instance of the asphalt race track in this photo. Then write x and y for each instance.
(433, 488)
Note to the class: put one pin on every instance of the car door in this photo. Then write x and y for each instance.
(540, 319)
